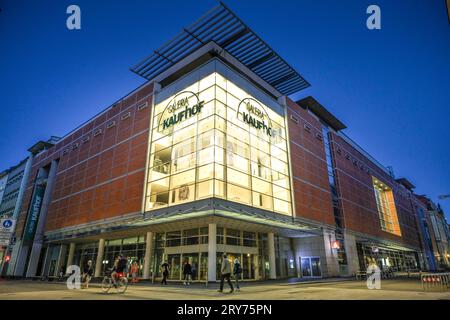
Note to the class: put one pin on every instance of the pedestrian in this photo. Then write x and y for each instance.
(134, 272)
(165, 272)
(187, 272)
(237, 271)
(225, 273)
(88, 271)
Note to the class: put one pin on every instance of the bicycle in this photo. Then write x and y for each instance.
(121, 284)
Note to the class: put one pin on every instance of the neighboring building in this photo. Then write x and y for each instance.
(11, 203)
(441, 233)
(3, 179)
(210, 156)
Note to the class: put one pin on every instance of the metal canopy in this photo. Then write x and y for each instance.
(223, 27)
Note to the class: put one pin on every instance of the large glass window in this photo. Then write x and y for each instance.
(214, 139)
(386, 207)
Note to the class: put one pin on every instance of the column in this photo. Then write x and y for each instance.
(352, 253)
(70, 257)
(99, 260)
(39, 234)
(148, 254)
(271, 247)
(330, 267)
(212, 249)
(296, 249)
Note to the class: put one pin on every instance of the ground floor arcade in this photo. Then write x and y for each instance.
(264, 251)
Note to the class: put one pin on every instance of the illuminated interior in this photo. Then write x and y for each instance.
(386, 207)
(214, 139)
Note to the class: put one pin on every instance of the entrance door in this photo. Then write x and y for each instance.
(174, 261)
(310, 267)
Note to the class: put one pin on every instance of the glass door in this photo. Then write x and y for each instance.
(310, 267)
(174, 261)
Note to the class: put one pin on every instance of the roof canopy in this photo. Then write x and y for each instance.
(223, 27)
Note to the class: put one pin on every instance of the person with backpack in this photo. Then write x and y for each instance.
(237, 271)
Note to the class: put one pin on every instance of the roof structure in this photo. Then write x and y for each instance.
(227, 30)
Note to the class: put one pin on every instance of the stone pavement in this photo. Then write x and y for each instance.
(404, 289)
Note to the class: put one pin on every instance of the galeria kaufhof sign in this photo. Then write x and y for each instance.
(187, 104)
(180, 108)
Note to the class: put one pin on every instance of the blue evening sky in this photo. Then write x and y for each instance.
(391, 87)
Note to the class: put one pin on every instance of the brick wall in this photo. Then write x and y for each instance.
(102, 175)
(309, 168)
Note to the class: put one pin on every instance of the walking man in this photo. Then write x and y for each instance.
(187, 272)
(165, 272)
(225, 272)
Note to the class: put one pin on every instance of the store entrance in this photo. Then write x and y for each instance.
(310, 267)
(249, 264)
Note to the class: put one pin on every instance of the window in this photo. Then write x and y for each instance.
(233, 237)
(215, 152)
(386, 207)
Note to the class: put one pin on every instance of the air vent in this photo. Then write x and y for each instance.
(319, 136)
(125, 116)
(111, 124)
(142, 106)
(75, 146)
(307, 128)
(97, 132)
(85, 139)
(294, 119)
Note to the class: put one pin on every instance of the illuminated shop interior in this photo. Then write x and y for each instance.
(214, 135)
(386, 207)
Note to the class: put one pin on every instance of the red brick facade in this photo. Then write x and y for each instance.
(312, 194)
(101, 168)
(354, 174)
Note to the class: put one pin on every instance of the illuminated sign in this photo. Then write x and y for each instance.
(255, 115)
(181, 108)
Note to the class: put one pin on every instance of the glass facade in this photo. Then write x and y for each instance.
(211, 138)
(386, 207)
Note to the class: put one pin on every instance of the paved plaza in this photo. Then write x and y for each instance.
(404, 289)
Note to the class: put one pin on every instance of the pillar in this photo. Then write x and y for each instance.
(330, 267)
(351, 253)
(148, 254)
(271, 247)
(212, 251)
(99, 260)
(39, 234)
(70, 256)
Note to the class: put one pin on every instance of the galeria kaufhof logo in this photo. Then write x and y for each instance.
(255, 115)
(180, 108)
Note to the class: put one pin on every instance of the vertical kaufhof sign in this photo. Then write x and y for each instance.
(255, 115)
(183, 106)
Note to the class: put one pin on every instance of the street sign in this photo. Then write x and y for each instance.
(7, 226)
